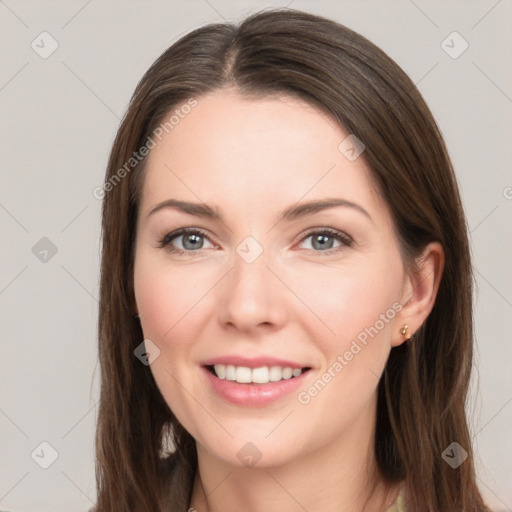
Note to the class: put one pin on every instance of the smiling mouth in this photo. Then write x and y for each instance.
(260, 375)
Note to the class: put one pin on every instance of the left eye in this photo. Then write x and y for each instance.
(324, 239)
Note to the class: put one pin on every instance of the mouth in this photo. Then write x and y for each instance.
(255, 376)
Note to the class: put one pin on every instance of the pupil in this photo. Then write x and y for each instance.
(322, 239)
(187, 240)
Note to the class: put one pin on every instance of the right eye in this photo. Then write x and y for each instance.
(191, 240)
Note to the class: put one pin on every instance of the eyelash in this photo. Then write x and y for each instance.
(337, 235)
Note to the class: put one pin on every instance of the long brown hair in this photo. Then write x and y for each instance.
(423, 390)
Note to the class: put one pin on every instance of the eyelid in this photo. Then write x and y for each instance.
(335, 233)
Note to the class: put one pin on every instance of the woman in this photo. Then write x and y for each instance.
(285, 283)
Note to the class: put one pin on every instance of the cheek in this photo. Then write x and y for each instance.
(171, 306)
(359, 303)
(348, 300)
(167, 298)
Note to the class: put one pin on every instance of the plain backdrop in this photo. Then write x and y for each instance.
(59, 114)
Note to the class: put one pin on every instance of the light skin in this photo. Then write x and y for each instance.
(252, 160)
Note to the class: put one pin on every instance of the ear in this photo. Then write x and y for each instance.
(419, 291)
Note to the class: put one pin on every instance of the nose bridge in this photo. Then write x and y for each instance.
(251, 294)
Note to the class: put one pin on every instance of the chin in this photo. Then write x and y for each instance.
(251, 451)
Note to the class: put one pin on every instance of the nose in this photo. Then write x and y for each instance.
(251, 297)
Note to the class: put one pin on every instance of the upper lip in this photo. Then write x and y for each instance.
(253, 362)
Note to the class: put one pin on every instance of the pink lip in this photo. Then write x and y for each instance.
(253, 362)
(253, 395)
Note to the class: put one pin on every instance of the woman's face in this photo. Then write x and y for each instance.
(252, 293)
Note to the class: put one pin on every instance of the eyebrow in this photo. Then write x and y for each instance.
(293, 212)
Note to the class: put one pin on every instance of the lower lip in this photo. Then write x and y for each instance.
(253, 395)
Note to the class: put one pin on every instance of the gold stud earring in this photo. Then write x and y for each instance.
(404, 331)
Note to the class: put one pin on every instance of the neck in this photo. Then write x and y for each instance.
(342, 475)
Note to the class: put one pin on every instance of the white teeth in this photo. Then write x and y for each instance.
(287, 373)
(230, 372)
(261, 375)
(243, 374)
(275, 373)
(220, 370)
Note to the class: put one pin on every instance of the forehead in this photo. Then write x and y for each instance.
(263, 150)
(224, 121)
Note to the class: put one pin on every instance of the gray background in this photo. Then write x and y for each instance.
(58, 119)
